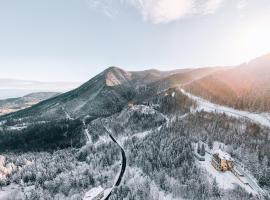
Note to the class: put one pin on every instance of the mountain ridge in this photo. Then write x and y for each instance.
(114, 88)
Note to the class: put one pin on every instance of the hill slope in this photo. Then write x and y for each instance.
(15, 104)
(243, 87)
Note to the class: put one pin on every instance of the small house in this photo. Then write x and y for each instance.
(222, 161)
(94, 194)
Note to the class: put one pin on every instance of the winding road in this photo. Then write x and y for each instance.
(123, 165)
(123, 168)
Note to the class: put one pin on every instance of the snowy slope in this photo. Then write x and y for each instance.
(260, 118)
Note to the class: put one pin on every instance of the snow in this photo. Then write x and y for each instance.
(143, 109)
(139, 178)
(139, 135)
(103, 140)
(238, 171)
(88, 135)
(16, 127)
(158, 194)
(94, 192)
(86, 132)
(67, 114)
(142, 135)
(223, 155)
(11, 192)
(226, 180)
(173, 94)
(261, 118)
(99, 191)
(252, 182)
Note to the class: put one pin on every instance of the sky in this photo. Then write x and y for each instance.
(73, 40)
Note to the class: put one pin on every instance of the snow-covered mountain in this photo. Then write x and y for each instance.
(142, 127)
(108, 93)
(113, 89)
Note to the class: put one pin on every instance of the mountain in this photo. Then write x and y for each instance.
(103, 95)
(145, 126)
(12, 88)
(109, 92)
(246, 86)
(114, 88)
(15, 104)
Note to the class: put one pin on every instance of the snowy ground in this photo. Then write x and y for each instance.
(261, 118)
(17, 127)
(225, 180)
(88, 135)
(11, 192)
(67, 114)
(86, 132)
(139, 135)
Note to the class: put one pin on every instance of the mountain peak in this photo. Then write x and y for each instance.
(113, 68)
(116, 76)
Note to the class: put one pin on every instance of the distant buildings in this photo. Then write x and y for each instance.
(222, 161)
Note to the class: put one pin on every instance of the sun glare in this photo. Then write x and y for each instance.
(254, 39)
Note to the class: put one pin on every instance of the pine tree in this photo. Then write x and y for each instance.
(203, 150)
(198, 149)
(210, 143)
(215, 189)
(2, 183)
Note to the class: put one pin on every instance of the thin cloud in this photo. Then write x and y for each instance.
(159, 11)
(108, 7)
(163, 11)
(211, 6)
(242, 4)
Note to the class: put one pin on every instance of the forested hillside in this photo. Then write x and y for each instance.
(245, 87)
(65, 146)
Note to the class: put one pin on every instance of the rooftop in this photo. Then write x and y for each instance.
(93, 192)
(223, 155)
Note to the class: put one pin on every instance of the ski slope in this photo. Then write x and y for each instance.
(260, 118)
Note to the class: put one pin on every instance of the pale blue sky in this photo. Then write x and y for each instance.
(72, 40)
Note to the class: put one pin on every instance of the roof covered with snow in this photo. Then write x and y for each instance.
(223, 155)
(93, 193)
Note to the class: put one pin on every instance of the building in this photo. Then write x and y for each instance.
(222, 161)
(94, 194)
(237, 172)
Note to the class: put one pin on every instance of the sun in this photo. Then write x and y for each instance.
(254, 38)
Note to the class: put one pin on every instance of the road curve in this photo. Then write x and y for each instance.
(123, 168)
(124, 160)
